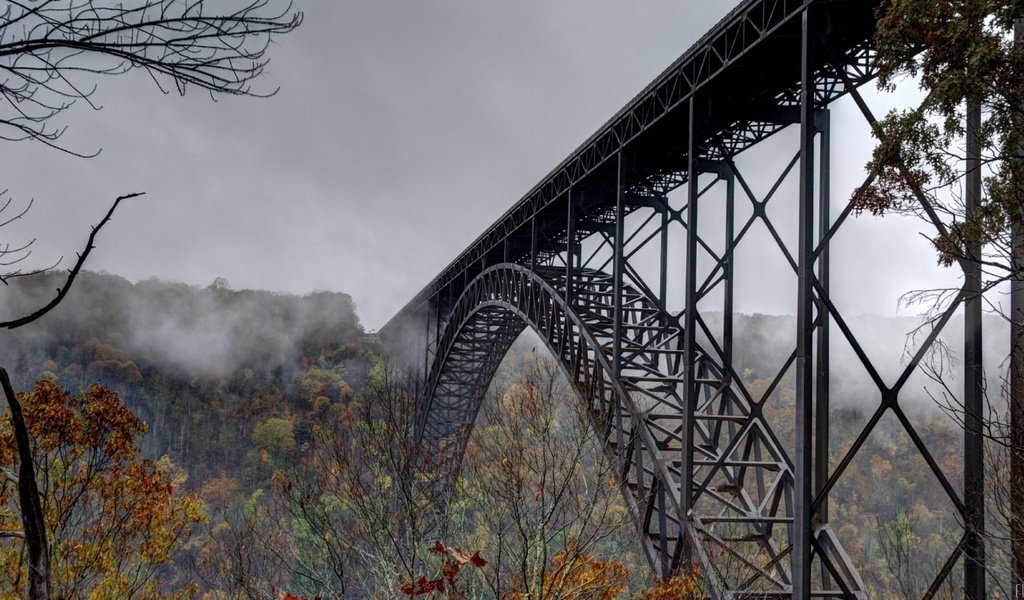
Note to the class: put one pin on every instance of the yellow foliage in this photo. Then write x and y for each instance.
(275, 435)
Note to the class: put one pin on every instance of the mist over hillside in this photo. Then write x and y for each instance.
(188, 330)
(203, 366)
(763, 343)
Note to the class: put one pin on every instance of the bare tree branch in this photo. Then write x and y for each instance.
(73, 272)
(181, 42)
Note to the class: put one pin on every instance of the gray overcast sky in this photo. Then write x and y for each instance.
(401, 130)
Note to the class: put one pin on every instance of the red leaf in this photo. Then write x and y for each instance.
(439, 548)
(422, 586)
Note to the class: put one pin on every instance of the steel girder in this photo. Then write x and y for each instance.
(737, 519)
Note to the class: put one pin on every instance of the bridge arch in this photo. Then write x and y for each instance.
(634, 397)
(491, 313)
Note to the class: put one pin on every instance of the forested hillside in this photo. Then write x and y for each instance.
(204, 367)
(285, 435)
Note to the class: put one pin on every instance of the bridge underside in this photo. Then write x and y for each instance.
(624, 261)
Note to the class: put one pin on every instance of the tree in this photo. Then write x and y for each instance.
(112, 519)
(897, 538)
(47, 47)
(537, 504)
(963, 53)
(580, 576)
(681, 586)
(446, 585)
(957, 161)
(356, 496)
(541, 499)
(342, 518)
(34, 525)
(241, 555)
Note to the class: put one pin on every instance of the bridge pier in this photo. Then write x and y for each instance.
(803, 528)
(822, 404)
(690, 314)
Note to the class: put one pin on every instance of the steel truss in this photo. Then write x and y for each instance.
(742, 480)
(702, 469)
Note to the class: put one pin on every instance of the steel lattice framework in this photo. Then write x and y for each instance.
(701, 467)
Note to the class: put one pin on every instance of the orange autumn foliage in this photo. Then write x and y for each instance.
(113, 520)
(580, 576)
(454, 560)
(681, 586)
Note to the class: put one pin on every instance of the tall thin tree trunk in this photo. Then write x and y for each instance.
(1017, 359)
(28, 497)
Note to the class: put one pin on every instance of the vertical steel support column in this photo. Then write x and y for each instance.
(730, 227)
(618, 267)
(663, 275)
(617, 272)
(451, 298)
(533, 242)
(426, 342)
(439, 314)
(690, 325)
(437, 335)
(570, 260)
(974, 379)
(570, 244)
(804, 375)
(822, 399)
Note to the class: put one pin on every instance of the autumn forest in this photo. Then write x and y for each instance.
(220, 443)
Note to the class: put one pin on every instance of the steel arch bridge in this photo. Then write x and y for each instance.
(585, 259)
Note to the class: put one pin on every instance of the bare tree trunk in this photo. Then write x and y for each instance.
(1016, 491)
(28, 498)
